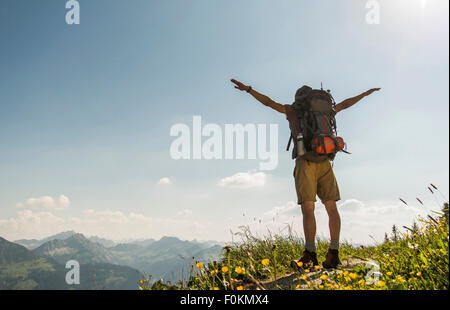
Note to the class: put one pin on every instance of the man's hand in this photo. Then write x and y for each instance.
(239, 85)
(370, 91)
(260, 97)
(347, 103)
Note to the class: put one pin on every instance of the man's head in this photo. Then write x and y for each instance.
(302, 92)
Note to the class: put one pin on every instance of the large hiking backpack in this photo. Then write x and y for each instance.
(314, 110)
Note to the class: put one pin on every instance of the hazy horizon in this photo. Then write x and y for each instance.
(116, 241)
(86, 112)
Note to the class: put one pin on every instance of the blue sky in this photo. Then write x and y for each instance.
(86, 110)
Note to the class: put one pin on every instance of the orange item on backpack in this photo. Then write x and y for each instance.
(330, 145)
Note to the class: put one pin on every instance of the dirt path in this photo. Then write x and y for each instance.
(291, 280)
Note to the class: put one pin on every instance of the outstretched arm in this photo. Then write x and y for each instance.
(347, 103)
(260, 97)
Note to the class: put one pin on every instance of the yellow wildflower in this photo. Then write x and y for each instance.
(353, 275)
(300, 264)
(323, 277)
(389, 273)
(224, 269)
(400, 278)
(307, 270)
(240, 288)
(199, 265)
(265, 262)
(317, 267)
(381, 283)
(304, 277)
(239, 270)
(215, 288)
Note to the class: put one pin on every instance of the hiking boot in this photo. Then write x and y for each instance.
(309, 260)
(332, 260)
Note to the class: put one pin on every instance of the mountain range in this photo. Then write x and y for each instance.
(33, 243)
(22, 269)
(40, 264)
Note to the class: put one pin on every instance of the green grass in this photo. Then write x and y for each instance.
(415, 260)
(26, 285)
(23, 269)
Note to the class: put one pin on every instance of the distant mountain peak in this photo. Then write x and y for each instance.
(13, 253)
(77, 247)
(169, 238)
(67, 232)
(78, 236)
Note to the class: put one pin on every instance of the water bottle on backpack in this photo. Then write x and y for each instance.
(300, 145)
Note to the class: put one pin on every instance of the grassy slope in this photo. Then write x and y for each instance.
(418, 259)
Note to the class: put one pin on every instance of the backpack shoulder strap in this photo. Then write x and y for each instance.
(294, 123)
(289, 143)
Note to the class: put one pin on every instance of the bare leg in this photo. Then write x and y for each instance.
(309, 221)
(334, 219)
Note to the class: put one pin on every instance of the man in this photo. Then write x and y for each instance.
(311, 179)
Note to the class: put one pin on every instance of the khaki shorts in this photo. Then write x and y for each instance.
(315, 178)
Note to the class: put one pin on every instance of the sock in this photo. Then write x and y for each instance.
(334, 245)
(311, 246)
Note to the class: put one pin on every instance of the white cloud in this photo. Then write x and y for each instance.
(45, 203)
(184, 213)
(245, 180)
(116, 225)
(351, 205)
(164, 181)
(289, 209)
(360, 221)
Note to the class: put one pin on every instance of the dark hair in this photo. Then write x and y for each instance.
(302, 92)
